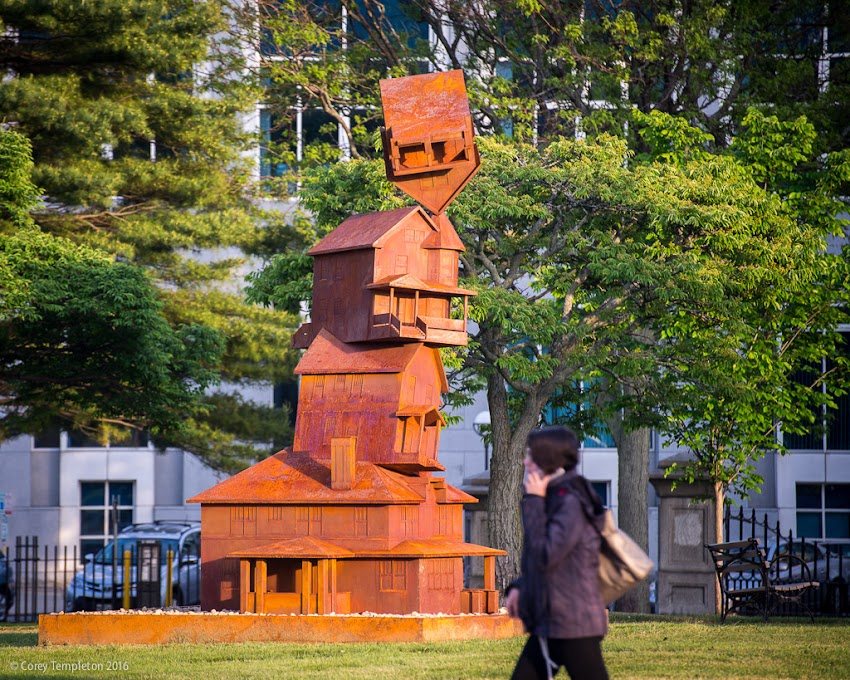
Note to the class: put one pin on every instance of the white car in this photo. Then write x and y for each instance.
(92, 587)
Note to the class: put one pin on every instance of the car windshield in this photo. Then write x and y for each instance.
(104, 556)
(811, 552)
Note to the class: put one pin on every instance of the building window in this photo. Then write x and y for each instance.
(96, 500)
(601, 440)
(48, 439)
(823, 510)
(601, 489)
(831, 428)
(131, 439)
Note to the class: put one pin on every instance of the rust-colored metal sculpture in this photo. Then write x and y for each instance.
(428, 147)
(351, 517)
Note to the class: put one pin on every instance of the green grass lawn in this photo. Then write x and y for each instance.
(636, 647)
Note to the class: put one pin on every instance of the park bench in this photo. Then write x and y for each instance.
(749, 583)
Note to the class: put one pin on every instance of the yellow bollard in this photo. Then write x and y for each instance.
(169, 590)
(125, 603)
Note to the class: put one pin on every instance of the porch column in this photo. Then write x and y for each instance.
(244, 585)
(332, 569)
(490, 572)
(260, 587)
(306, 585)
(322, 588)
(491, 595)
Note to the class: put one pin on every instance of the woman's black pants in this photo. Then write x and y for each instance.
(582, 658)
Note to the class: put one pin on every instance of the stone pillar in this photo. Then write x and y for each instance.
(685, 571)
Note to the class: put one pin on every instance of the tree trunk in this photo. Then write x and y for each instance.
(504, 526)
(504, 519)
(633, 499)
(719, 502)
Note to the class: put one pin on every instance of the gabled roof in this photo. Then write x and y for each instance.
(311, 548)
(283, 480)
(455, 495)
(432, 547)
(327, 355)
(410, 282)
(304, 547)
(370, 230)
(446, 237)
(422, 411)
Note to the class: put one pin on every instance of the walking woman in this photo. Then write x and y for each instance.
(557, 596)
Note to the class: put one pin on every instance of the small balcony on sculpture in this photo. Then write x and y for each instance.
(405, 307)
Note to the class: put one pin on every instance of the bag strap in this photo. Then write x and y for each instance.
(551, 666)
(585, 489)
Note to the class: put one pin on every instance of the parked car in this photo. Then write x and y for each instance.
(7, 587)
(92, 587)
(826, 560)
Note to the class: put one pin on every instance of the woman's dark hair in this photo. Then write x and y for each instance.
(553, 447)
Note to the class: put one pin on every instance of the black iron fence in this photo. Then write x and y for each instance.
(41, 579)
(797, 558)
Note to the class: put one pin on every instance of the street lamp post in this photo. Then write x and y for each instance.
(481, 425)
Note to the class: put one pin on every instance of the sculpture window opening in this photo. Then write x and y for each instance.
(393, 575)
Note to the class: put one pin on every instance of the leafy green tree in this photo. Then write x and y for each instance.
(576, 256)
(82, 338)
(134, 110)
(18, 194)
(539, 70)
(774, 331)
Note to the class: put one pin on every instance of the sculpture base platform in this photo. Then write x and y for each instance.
(164, 627)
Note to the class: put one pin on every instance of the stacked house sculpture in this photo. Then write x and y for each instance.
(351, 519)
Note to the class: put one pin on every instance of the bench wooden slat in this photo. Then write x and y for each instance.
(730, 546)
(744, 557)
(802, 585)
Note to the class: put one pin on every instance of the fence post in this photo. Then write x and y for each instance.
(169, 576)
(34, 574)
(64, 577)
(125, 600)
(46, 577)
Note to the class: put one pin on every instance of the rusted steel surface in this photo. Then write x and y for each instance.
(156, 629)
(373, 230)
(388, 277)
(351, 519)
(303, 547)
(429, 150)
(329, 355)
(301, 480)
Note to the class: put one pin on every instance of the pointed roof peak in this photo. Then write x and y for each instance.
(368, 230)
